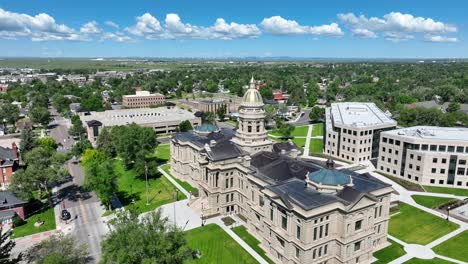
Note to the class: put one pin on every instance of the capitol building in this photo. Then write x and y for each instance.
(301, 210)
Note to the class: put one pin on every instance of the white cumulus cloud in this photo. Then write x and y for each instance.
(394, 26)
(147, 25)
(91, 28)
(111, 24)
(278, 25)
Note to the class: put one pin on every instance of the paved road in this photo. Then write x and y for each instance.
(86, 211)
(303, 120)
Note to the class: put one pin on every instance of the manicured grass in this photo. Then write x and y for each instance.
(430, 201)
(184, 184)
(316, 145)
(300, 131)
(162, 152)
(404, 183)
(456, 247)
(454, 191)
(300, 142)
(216, 246)
(317, 130)
(28, 228)
(130, 186)
(277, 139)
(392, 252)
(242, 232)
(415, 226)
(427, 261)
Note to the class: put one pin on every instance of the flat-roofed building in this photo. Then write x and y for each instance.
(143, 99)
(352, 130)
(427, 155)
(161, 119)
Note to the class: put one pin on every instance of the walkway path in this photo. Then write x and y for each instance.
(177, 185)
(421, 251)
(307, 143)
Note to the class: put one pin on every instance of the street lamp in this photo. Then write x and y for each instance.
(448, 212)
(175, 198)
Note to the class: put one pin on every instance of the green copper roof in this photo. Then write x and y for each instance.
(206, 127)
(329, 177)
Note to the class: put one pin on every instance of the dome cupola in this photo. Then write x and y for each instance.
(252, 97)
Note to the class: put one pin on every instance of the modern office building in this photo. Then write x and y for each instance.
(162, 119)
(427, 155)
(352, 130)
(143, 99)
(300, 211)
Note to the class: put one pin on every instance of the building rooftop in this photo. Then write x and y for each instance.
(139, 116)
(432, 133)
(143, 93)
(329, 177)
(359, 115)
(8, 199)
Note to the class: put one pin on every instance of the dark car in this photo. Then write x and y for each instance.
(65, 215)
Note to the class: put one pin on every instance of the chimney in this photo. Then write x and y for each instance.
(14, 148)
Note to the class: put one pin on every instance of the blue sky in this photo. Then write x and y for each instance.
(189, 28)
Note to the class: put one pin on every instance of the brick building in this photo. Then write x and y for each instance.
(9, 159)
(142, 99)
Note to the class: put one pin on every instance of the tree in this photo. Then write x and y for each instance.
(27, 141)
(40, 115)
(286, 129)
(44, 168)
(58, 249)
(100, 176)
(270, 113)
(148, 239)
(80, 146)
(133, 142)
(47, 143)
(104, 142)
(185, 126)
(9, 113)
(266, 93)
(221, 112)
(453, 107)
(317, 114)
(6, 245)
(77, 129)
(92, 102)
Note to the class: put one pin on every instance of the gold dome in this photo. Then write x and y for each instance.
(252, 97)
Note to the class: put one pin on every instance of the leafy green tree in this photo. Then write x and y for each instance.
(61, 103)
(40, 115)
(104, 142)
(266, 93)
(270, 113)
(93, 102)
(317, 114)
(80, 146)
(100, 175)
(27, 141)
(453, 107)
(185, 126)
(6, 245)
(47, 143)
(221, 113)
(133, 142)
(147, 239)
(77, 129)
(44, 168)
(286, 129)
(9, 113)
(58, 249)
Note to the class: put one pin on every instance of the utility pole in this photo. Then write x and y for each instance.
(146, 176)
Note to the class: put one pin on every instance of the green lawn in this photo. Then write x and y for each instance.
(317, 130)
(413, 225)
(277, 139)
(427, 261)
(316, 146)
(455, 248)
(242, 232)
(389, 253)
(184, 184)
(28, 228)
(216, 246)
(430, 201)
(162, 152)
(454, 191)
(300, 131)
(160, 190)
(300, 142)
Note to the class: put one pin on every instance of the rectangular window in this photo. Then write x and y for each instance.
(298, 232)
(325, 250)
(451, 149)
(284, 222)
(315, 233)
(271, 214)
(433, 147)
(357, 246)
(297, 252)
(424, 147)
(442, 148)
(321, 231)
(460, 149)
(444, 161)
(326, 230)
(358, 225)
(434, 160)
(384, 140)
